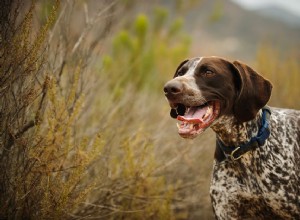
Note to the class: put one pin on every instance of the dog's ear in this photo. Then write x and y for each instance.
(180, 65)
(254, 93)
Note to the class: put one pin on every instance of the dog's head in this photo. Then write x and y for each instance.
(203, 89)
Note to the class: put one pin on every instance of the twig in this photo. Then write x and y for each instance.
(12, 137)
(55, 25)
(169, 163)
(90, 25)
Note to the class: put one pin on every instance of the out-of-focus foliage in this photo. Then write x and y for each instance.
(217, 12)
(185, 5)
(146, 52)
(140, 60)
(283, 70)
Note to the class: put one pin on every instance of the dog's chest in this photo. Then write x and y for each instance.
(264, 181)
(255, 192)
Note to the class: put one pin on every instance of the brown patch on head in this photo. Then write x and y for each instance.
(220, 84)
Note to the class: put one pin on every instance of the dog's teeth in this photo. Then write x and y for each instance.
(205, 116)
(208, 112)
(184, 125)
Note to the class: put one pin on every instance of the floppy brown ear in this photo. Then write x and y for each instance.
(180, 65)
(255, 92)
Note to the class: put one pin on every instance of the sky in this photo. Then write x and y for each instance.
(292, 6)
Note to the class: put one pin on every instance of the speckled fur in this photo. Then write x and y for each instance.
(264, 183)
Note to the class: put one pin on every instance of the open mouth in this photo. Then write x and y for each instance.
(194, 120)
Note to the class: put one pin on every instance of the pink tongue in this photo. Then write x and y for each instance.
(193, 114)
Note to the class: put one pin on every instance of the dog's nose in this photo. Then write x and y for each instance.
(173, 88)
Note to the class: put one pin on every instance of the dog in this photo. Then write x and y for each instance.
(256, 173)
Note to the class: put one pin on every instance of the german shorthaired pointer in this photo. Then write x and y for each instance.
(256, 172)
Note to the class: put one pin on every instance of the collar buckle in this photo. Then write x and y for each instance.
(233, 157)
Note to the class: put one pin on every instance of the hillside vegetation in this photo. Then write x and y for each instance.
(85, 130)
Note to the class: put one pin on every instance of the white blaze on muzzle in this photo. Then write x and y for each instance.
(191, 70)
(188, 80)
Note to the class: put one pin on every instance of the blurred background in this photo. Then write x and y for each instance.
(85, 127)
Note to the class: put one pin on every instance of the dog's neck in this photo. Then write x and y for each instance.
(233, 133)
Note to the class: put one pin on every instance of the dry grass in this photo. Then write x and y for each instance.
(44, 158)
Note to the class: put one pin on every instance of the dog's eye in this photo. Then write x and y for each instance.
(180, 73)
(208, 73)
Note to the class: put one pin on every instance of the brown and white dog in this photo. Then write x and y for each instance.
(257, 156)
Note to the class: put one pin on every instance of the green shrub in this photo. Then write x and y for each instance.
(145, 53)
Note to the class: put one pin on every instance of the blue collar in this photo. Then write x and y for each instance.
(235, 153)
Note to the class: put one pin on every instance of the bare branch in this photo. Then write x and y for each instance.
(90, 24)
